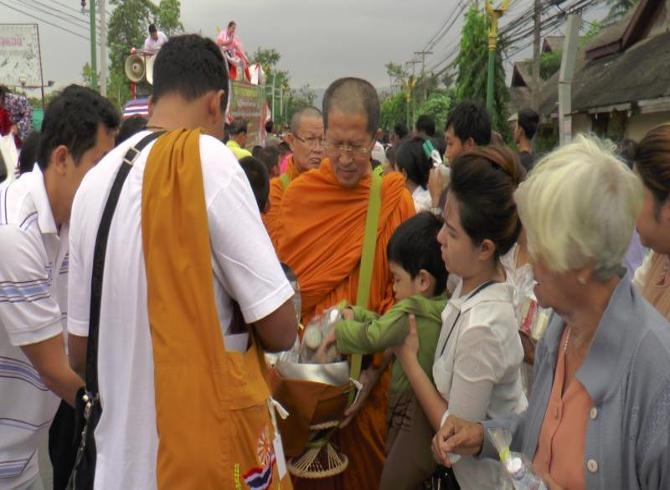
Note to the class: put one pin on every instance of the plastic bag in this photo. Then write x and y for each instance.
(314, 334)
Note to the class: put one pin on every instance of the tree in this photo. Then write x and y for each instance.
(267, 58)
(472, 64)
(437, 105)
(619, 8)
(397, 75)
(393, 110)
(127, 29)
(169, 17)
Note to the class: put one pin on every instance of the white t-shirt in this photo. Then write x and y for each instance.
(151, 46)
(477, 368)
(33, 301)
(244, 267)
(422, 199)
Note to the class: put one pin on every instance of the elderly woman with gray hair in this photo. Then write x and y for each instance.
(599, 415)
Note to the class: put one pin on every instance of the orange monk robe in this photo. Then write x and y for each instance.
(277, 189)
(321, 238)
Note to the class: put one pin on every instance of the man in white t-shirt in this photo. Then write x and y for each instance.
(155, 40)
(188, 92)
(78, 129)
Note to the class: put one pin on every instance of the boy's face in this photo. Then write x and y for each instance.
(403, 284)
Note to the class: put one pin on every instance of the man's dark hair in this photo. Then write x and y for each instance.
(29, 149)
(3, 91)
(283, 148)
(232, 23)
(152, 28)
(353, 96)
(238, 126)
(470, 120)
(412, 159)
(414, 246)
(426, 124)
(258, 178)
(401, 130)
(129, 127)
(190, 66)
(269, 156)
(269, 126)
(528, 121)
(72, 119)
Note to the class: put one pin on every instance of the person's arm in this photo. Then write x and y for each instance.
(76, 348)
(49, 359)
(277, 331)
(243, 254)
(371, 333)
(32, 317)
(429, 398)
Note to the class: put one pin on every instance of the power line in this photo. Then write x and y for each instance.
(60, 18)
(68, 16)
(61, 4)
(42, 20)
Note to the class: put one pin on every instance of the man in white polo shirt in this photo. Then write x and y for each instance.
(155, 40)
(78, 130)
(189, 87)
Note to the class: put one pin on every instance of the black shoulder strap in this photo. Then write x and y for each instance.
(99, 260)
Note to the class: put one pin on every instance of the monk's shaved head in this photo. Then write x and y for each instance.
(297, 118)
(353, 96)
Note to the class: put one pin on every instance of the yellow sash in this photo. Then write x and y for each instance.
(214, 426)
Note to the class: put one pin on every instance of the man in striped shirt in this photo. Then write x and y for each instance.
(78, 130)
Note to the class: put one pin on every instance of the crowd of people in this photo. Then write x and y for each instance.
(142, 277)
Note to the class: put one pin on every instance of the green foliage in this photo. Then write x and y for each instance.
(169, 17)
(393, 110)
(268, 59)
(619, 8)
(87, 74)
(437, 105)
(550, 63)
(472, 65)
(127, 29)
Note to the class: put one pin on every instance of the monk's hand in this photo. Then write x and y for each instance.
(407, 351)
(321, 354)
(457, 436)
(435, 186)
(368, 379)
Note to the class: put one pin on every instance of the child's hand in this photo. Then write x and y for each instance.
(410, 347)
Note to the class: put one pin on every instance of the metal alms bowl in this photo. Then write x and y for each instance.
(334, 373)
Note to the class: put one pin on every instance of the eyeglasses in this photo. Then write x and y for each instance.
(361, 150)
(311, 142)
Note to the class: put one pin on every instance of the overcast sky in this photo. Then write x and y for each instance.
(319, 41)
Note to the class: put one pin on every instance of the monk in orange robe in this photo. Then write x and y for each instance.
(306, 142)
(322, 221)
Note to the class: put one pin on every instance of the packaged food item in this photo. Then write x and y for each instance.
(314, 334)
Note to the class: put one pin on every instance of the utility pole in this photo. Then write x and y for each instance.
(494, 15)
(535, 94)
(423, 55)
(103, 49)
(566, 74)
(94, 46)
(411, 82)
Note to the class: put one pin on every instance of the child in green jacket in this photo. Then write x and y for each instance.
(419, 284)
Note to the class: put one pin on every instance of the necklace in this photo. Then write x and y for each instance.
(567, 340)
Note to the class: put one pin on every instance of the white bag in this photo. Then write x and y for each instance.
(10, 156)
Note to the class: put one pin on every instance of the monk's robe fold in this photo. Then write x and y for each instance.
(321, 237)
(277, 189)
